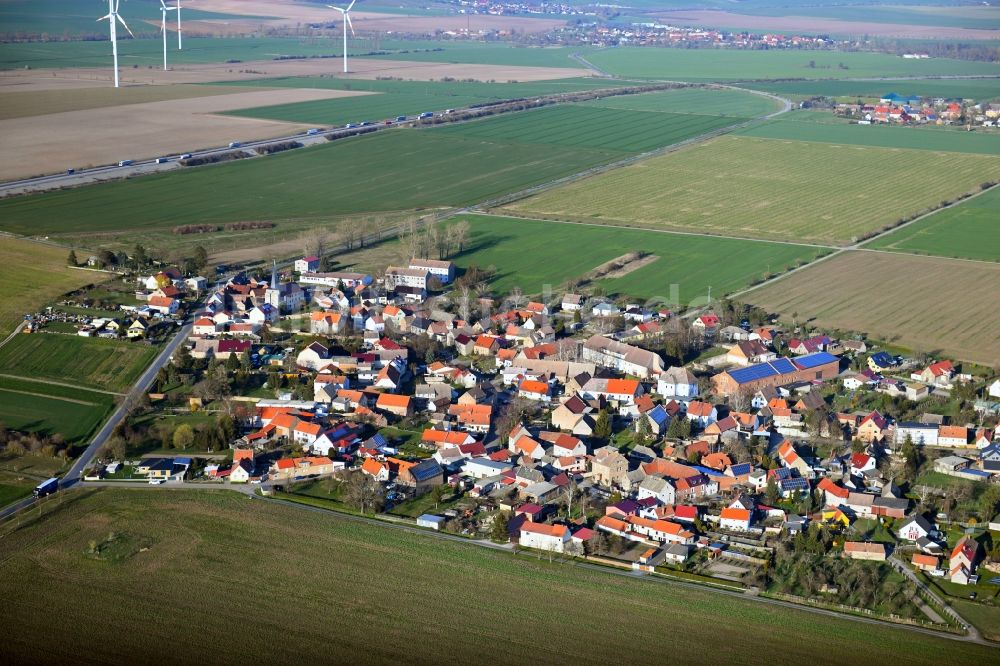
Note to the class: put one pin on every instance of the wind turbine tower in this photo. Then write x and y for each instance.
(163, 28)
(112, 17)
(347, 24)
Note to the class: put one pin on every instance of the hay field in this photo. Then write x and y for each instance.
(329, 589)
(766, 188)
(31, 275)
(926, 304)
(56, 141)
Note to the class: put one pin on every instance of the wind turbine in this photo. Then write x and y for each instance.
(178, 8)
(163, 28)
(347, 22)
(113, 16)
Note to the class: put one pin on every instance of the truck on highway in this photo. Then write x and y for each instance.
(47, 487)
(426, 114)
(235, 144)
(125, 163)
(162, 160)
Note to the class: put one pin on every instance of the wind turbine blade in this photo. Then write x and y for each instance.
(347, 17)
(337, 8)
(105, 17)
(351, 5)
(163, 5)
(122, 21)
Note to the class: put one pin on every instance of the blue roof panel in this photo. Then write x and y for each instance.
(814, 360)
(783, 365)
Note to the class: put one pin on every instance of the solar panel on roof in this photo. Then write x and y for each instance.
(742, 468)
(813, 360)
(752, 373)
(783, 365)
(795, 484)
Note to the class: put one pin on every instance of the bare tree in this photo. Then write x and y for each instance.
(517, 297)
(464, 302)
(460, 235)
(314, 242)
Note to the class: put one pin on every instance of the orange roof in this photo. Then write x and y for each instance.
(485, 341)
(924, 560)
(372, 466)
(608, 522)
(699, 408)
(161, 301)
(735, 514)
(526, 444)
(205, 321)
(393, 400)
(718, 461)
(242, 454)
(829, 486)
(445, 436)
(623, 386)
(954, 432)
(558, 531)
(309, 428)
(332, 317)
(535, 387)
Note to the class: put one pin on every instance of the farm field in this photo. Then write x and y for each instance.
(31, 275)
(177, 550)
(765, 188)
(970, 230)
(397, 98)
(424, 168)
(948, 17)
(47, 409)
(587, 127)
(735, 65)
(15, 104)
(977, 89)
(51, 143)
(109, 365)
(803, 126)
(722, 102)
(939, 306)
(20, 474)
(427, 168)
(685, 268)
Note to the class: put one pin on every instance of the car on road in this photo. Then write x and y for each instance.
(235, 144)
(366, 123)
(157, 482)
(426, 114)
(70, 172)
(125, 163)
(350, 126)
(400, 119)
(387, 122)
(185, 156)
(312, 131)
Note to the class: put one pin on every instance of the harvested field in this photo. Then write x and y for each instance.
(361, 68)
(816, 25)
(940, 306)
(53, 142)
(766, 188)
(61, 601)
(16, 103)
(31, 275)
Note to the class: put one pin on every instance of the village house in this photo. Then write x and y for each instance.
(677, 382)
(544, 537)
(858, 550)
(818, 366)
(624, 358)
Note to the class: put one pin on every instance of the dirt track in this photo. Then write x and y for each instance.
(56, 141)
(811, 25)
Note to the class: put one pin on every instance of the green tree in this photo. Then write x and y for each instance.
(183, 436)
(912, 465)
(499, 527)
(200, 258)
(772, 491)
(71, 259)
(233, 363)
(602, 426)
(643, 431)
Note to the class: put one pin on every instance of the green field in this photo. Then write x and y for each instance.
(970, 230)
(685, 268)
(393, 596)
(587, 127)
(47, 409)
(693, 100)
(149, 52)
(400, 170)
(977, 89)
(766, 188)
(395, 98)
(734, 65)
(801, 126)
(109, 365)
(983, 18)
(389, 171)
(31, 275)
(61, 18)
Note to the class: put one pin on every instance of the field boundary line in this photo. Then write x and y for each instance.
(64, 384)
(859, 246)
(50, 397)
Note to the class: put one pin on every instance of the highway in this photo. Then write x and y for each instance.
(141, 167)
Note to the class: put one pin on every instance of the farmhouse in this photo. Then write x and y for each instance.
(544, 537)
(622, 357)
(442, 270)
